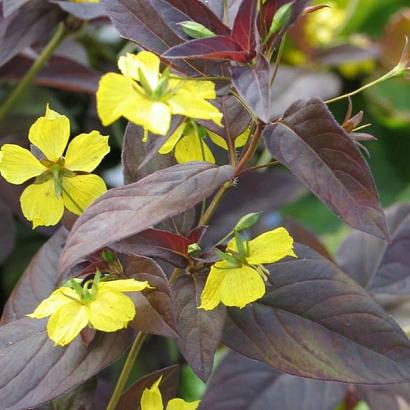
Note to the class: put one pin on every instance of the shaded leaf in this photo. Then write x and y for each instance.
(39, 371)
(128, 210)
(10, 6)
(310, 323)
(33, 24)
(243, 30)
(211, 48)
(38, 281)
(130, 400)
(200, 330)
(240, 383)
(82, 11)
(253, 85)
(60, 72)
(154, 307)
(7, 231)
(385, 397)
(310, 142)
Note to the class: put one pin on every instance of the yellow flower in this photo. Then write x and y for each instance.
(146, 97)
(60, 180)
(152, 400)
(189, 144)
(98, 304)
(238, 279)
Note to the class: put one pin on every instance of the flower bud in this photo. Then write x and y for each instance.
(247, 221)
(194, 249)
(196, 30)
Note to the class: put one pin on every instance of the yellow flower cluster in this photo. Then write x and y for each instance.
(62, 176)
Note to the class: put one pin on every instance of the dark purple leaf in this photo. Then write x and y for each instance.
(10, 6)
(83, 11)
(212, 48)
(60, 72)
(200, 330)
(253, 85)
(131, 399)
(304, 236)
(240, 383)
(243, 30)
(38, 281)
(391, 397)
(7, 231)
(310, 324)
(34, 23)
(154, 307)
(310, 142)
(131, 209)
(199, 12)
(35, 371)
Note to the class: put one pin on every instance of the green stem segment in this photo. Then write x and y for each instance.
(126, 371)
(42, 59)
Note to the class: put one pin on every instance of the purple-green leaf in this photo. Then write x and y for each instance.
(310, 142)
(240, 383)
(128, 210)
(35, 371)
(200, 330)
(310, 323)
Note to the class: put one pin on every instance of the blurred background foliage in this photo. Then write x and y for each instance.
(355, 40)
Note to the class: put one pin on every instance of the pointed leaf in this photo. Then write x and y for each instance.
(200, 330)
(131, 399)
(39, 371)
(212, 48)
(253, 85)
(128, 210)
(240, 383)
(310, 324)
(155, 307)
(310, 142)
(243, 30)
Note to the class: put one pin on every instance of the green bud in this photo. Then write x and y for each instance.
(194, 249)
(196, 30)
(233, 262)
(280, 18)
(247, 221)
(144, 82)
(108, 256)
(241, 245)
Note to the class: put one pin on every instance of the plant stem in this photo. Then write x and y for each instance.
(256, 167)
(42, 59)
(384, 77)
(278, 58)
(214, 204)
(126, 370)
(251, 149)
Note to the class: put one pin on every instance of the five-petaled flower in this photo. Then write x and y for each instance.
(147, 97)
(60, 179)
(152, 400)
(239, 278)
(189, 144)
(98, 304)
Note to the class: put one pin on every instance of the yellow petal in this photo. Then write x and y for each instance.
(240, 141)
(154, 116)
(241, 286)
(211, 294)
(67, 322)
(193, 106)
(242, 138)
(117, 97)
(110, 311)
(203, 89)
(191, 147)
(151, 398)
(124, 285)
(145, 61)
(179, 404)
(82, 190)
(58, 298)
(18, 164)
(86, 151)
(50, 134)
(41, 205)
(270, 247)
(172, 140)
